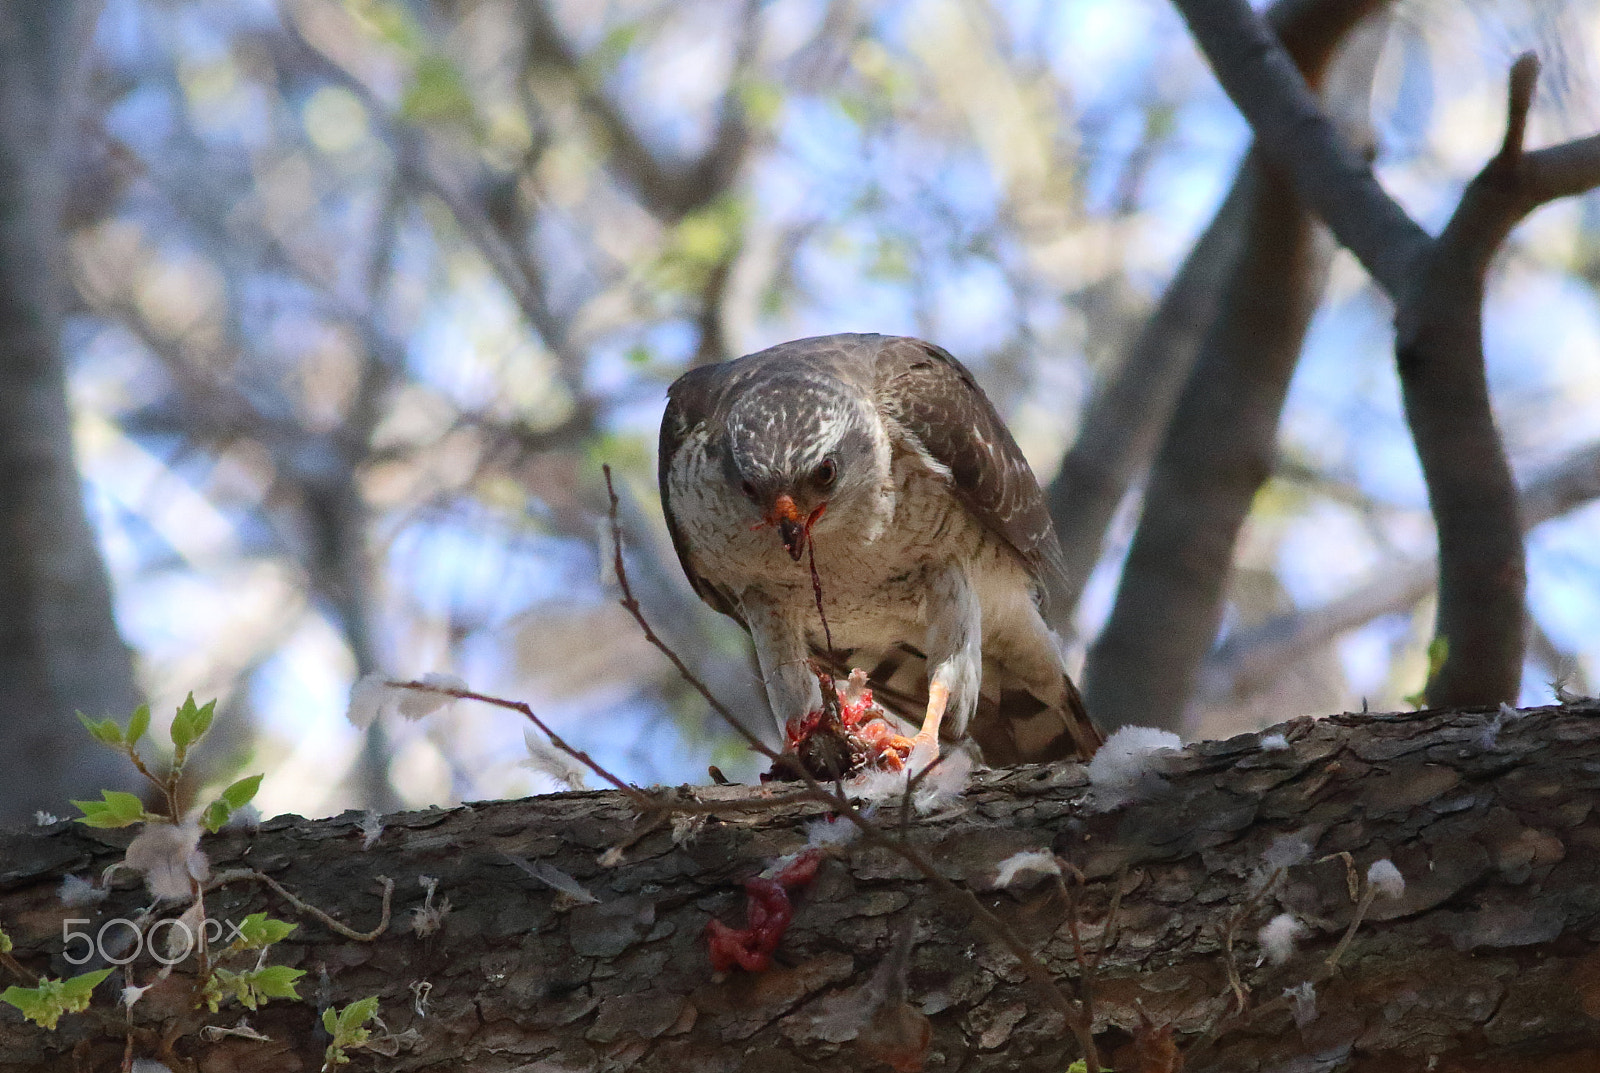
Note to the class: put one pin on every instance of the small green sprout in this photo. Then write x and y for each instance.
(347, 1027)
(116, 809)
(1438, 652)
(259, 931)
(252, 988)
(234, 798)
(44, 1005)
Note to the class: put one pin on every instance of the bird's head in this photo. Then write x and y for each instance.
(801, 448)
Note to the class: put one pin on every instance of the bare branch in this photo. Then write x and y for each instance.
(1248, 661)
(1563, 170)
(1334, 179)
(670, 190)
(1217, 452)
(1121, 427)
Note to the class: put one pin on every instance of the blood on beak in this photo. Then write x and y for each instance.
(793, 528)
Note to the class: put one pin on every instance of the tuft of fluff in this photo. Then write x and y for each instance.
(1272, 743)
(184, 939)
(42, 818)
(941, 787)
(1286, 851)
(1128, 766)
(371, 828)
(428, 917)
(423, 697)
(1025, 862)
(1384, 878)
(1304, 998)
(555, 879)
(375, 694)
(132, 994)
(687, 827)
(878, 787)
(829, 831)
(75, 891)
(1489, 736)
(944, 784)
(548, 760)
(148, 1065)
(1281, 853)
(170, 859)
(371, 694)
(1277, 938)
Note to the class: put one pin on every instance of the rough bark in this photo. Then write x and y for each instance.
(1487, 961)
(59, 647)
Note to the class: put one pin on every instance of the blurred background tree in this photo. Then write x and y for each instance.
(360, 293)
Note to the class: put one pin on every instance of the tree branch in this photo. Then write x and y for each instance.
(1217, 452)
(1248, 661)
(1438, 287)
(1123, 423)
(1332, 177)
(1492, 925)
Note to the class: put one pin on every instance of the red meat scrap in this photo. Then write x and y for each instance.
(768, 912)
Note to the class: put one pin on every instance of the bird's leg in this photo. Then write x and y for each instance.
(781, 649)
(925, 746)
(955, 662)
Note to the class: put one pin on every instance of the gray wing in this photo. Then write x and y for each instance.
(692, 403)
(936, 401)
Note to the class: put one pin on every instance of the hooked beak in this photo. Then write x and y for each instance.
(793, 528)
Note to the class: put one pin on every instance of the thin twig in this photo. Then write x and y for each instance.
(11, 963)
(1108, 935)
(1355, 922)
(1241, 993)
(306, 907)
(638, 796)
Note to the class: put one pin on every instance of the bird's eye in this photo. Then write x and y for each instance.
(748, 489)
(827, 472)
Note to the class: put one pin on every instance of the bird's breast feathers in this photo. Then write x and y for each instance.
(874, 571)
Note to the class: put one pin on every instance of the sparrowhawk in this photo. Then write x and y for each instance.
(929, 532)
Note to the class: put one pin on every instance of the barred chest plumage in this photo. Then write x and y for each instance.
(874, 571)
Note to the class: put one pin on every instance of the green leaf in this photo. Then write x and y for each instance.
(437, 93)
(191, 723)
(1438, 652)
(259, 930)
(137, 724)
(346, 1028)
(44, 1005)
(239, 794)
(119, 809)
(105, 731)
(5, 942)
(357, 1014)
(251, 988)
(275, 981)
(215, 815)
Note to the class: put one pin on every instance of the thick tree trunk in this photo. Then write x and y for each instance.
(59, 648)
(1487, 960)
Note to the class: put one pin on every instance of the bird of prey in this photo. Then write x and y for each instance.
(928, 529)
